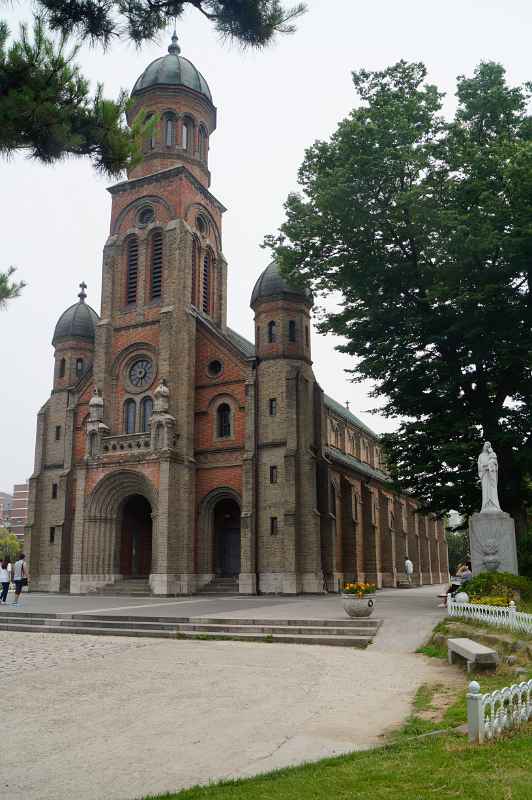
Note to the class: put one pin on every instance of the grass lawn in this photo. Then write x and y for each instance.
(435, 767)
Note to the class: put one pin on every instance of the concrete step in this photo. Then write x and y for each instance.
(288, 638)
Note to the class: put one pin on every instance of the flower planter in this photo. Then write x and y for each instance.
(358, 606)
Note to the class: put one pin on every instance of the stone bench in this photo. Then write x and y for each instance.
(473, 652)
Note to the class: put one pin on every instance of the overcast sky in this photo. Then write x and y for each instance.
(271, 106)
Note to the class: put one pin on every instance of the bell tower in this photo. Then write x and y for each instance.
(163, 272)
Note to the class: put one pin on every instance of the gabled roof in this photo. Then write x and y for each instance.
(247, 348)
(342, 411)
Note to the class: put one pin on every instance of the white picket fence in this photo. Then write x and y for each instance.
(489, 715)
(505, 617)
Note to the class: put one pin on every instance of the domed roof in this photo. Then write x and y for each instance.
(77, 322)
(173, 70)
(272, 285)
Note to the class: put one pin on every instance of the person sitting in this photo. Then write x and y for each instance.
(463, 574)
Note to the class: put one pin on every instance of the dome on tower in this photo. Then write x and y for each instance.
(272, 285)
(77, 322)
(172, 70)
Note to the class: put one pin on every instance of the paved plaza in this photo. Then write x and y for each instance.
(119, 717)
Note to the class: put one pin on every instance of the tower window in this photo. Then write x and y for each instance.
(224, 420)
(273, 406)
(291, 331)
(62, 368)
(145, 216)
(57, 433)
(203, 140)
(169, 130)
(206, 288)
(130, 416)
(150, 143)
(79, 367)
(186, 135)
(146, 411)
(132, 251)
(307, 337)
(54, 491)
(194, 290)
(274, 526)
(273, 474)
(52, 535)
(271, 332)
(156, 264)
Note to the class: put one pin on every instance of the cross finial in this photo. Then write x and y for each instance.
(83, 294)
(174, 48)
(347, 404)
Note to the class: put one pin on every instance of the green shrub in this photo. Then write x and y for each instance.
(498, 584)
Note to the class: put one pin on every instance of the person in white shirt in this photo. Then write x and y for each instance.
(409, 570)
(19, 577)
(5, 579)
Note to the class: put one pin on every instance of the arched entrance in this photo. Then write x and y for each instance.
(226, 522)
(136, 537)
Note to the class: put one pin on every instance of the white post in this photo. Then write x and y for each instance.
(513, 615)
(475, 714)
(450, 603)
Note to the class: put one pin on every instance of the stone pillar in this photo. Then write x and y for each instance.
(371, 536)
(348, 511)
(425, 550)
(247, 582)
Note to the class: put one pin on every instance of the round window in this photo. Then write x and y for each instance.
(146, 215)
(140, 373)
(215, 368)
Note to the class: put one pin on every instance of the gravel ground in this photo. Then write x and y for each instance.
(118, 718)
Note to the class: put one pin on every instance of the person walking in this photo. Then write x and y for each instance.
(409, 570)
(5, 578)
(20, 577)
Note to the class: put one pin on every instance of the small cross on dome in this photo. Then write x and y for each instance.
(83, 294)
(174, 48)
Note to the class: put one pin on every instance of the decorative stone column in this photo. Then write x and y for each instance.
(96, 429)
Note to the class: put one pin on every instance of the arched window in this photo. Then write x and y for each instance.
(223, 415)
(79, 367)
(195, 259)
(146, 410)
(150, 141)
(206, 284)
(186, 134)
(292, 331)
(62, 368)
(169, 130)
(132, 272)
(130, 416)
(203, 144)
(271, 332)
(156, 281)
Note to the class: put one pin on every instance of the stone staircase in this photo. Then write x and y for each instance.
(338, 633)
(137, 587)
(221, 585)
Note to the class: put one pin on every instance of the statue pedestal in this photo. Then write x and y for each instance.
(492, 543)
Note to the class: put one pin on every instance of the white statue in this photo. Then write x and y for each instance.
(488, 469)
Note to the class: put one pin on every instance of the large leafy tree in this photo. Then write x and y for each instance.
(424, 227)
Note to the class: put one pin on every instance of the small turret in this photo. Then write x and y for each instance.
(73, 341)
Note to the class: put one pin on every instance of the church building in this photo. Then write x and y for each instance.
(174, 456)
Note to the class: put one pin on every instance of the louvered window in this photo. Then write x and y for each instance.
(206, 287)
(271, 332)
(194, 289)
(132, 269)
(156, 264)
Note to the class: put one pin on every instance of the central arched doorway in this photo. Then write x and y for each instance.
(227, 537)
(136, 537)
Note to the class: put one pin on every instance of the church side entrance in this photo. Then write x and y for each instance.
(227, 538)
(136, 537)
